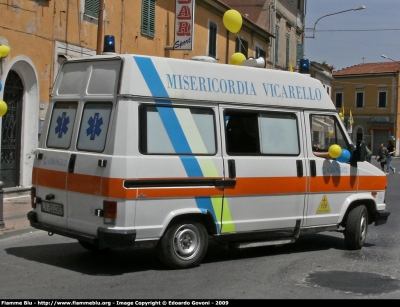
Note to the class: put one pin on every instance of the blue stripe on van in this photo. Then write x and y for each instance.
(168, 117)
(151, 77)
(174, 129)
(204, 203)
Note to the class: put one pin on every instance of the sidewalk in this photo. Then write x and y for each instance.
(16, 205)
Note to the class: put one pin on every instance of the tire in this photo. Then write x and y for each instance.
(356, 229)
(183, 245)
(92, 247)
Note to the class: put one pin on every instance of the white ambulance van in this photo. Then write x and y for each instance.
(139, 151)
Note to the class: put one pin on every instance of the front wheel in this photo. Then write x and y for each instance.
(356, 229)
(183, 245)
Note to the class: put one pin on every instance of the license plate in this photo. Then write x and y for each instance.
(52, 208)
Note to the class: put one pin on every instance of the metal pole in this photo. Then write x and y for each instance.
(315, 24)
(100, 27)
(1, 204)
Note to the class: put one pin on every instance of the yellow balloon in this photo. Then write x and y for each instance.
(330, 132)
(335, 151)
(237, 58)
(3, 108)
(4, 51)
(232, 21)
(340, 114)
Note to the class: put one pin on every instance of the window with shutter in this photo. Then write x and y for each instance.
(260, 53)
(382, 99)
(276, 45)
(287, 52)
(339, 100)
(148, 17)
(299, 53)
(242, 46)
(360, 100)
(212, 40)
(92, 8)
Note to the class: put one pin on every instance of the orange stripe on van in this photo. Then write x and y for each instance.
(34, 175)
(51, 179)
(178, 192)
(333, 184)
(114, 187)
(86, 184)
(347, 183)
(373, 183)
(268, 185)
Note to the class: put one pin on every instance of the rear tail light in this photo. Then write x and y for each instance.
(109, 211)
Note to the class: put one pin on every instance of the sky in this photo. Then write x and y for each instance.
(336, 41)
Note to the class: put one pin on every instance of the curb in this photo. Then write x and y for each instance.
(7, 233)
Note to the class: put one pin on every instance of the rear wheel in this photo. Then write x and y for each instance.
(183, 245)
(356, 229)
(92, 247)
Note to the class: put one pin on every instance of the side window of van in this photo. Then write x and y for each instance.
(94, 126)
(61, 124)
(261, 133)
(326, 131)
(177, 130)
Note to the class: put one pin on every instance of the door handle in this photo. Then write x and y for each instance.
(71, 165)
(299, 165)
(232, 169)
(313, 168)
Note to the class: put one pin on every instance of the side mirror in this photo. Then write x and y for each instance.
(358, 154)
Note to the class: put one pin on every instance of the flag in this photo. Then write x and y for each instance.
(342, 112)
(351, 121)
(291, 66)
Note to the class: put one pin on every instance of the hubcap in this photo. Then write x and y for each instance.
(186, 242)
(363, 228)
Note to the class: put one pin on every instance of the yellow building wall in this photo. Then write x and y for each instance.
(30, 28)
(371, 86)
(41, 34)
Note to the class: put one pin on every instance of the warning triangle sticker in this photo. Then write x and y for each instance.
(324, 206)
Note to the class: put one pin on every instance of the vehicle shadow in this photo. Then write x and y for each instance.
(72, 256)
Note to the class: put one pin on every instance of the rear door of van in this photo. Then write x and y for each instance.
(50, 172)
(70, 164)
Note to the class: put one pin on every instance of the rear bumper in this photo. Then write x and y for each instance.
(105, 237)
(381, 217)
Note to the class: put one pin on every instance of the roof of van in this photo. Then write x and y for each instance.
(171, 79)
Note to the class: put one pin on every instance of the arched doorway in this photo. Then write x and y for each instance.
(11, 130)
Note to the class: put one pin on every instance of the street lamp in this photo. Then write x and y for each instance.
(313, 29)
(384, 56)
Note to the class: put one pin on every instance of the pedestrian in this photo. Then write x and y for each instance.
(391, 150)
(369, 153)
(381, 156)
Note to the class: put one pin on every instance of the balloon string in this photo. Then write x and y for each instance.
(241, 43)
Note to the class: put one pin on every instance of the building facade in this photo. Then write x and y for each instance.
(286, 20)
(42, 34)
(322, 72)
(370, 91)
